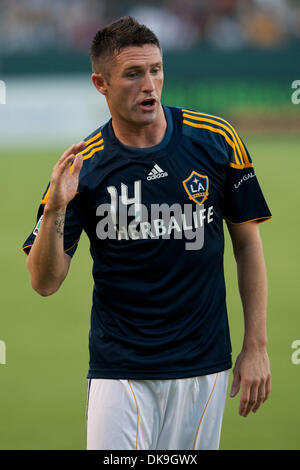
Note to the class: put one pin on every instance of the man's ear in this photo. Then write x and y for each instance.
(99, 82)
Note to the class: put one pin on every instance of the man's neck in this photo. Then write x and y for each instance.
(141, 136)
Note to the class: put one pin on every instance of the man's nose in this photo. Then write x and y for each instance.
(148, 82)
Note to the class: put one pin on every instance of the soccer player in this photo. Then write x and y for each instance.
(151, 189)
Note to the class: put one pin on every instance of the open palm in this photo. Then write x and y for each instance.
(64, 179)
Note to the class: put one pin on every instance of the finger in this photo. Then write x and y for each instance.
(67, 153)
(68, 161)
(245, 396)
(267, 388)
(80, 146)
(260, 396)
(73, 150)
(235, 385)
(252, 398)
(77, 165)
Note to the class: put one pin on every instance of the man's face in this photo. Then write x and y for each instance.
(135, 84)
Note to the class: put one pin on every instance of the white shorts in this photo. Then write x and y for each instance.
(179, 414)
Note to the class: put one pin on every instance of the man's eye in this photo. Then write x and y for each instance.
(132, 75)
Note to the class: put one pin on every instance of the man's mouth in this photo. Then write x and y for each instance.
(147, 104)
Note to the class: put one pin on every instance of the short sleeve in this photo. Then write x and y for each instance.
(243, 198)
(74, 224)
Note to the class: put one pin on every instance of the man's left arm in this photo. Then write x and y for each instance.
(252, 368)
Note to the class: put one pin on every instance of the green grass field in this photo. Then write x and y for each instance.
(43, 383)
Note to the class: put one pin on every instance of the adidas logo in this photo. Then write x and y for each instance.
(156, 172)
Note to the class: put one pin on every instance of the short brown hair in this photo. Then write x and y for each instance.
(122, 33)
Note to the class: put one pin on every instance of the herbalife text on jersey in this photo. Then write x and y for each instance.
(127, 218)
(172, 223)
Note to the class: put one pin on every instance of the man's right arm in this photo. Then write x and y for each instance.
(47, 262)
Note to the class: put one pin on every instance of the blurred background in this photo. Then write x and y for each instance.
(238, 59)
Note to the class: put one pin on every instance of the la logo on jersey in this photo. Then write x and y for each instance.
(196, 186)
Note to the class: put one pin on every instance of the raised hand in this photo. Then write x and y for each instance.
(64, 178)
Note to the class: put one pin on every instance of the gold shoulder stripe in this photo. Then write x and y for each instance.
(213, 121)
(90, 154)
(246, 159)
(217, 131)
(92, 139)
(95, 144)
(96, 149)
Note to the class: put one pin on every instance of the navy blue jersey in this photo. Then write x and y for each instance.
(154, 218)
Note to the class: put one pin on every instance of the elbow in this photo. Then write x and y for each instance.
(42, 283)
(44, 291)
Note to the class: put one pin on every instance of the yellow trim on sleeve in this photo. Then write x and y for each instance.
(261, 219)
(240, 167)
(45, 198)
(68, 249)
(65, 251)
(24, 249)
